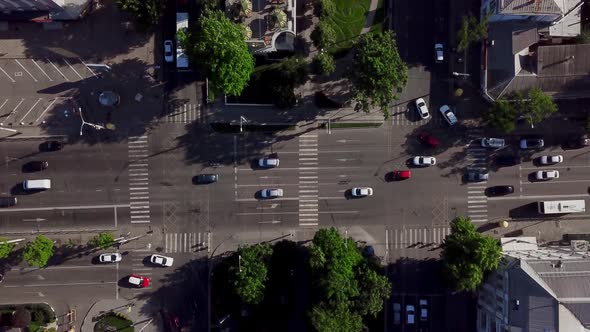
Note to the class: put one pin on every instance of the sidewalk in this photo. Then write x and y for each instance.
(133, 310)
(547, 231)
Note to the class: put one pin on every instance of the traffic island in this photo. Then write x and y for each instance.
(113, 321)
(36, 317)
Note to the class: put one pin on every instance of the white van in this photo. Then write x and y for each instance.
(42, 184)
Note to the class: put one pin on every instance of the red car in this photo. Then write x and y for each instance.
(139, 281)
(402, 175)
(428, 140)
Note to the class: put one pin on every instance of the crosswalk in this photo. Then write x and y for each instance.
(184, 113)
(477, 208)
(139, 196)
(308, 179)
(184, 242)
(415, 237)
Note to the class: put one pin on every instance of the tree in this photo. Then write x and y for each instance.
(325, 8)
(374, 290)
(471, 31)
(21, 317)
(377, 70)
(102, 240)
(5, 248)
(323, 35)
(38, 252)
(539, 106)
(218, 46)
(145, 12)
(338, 318)
(324, 64)
(283, 78)
(502, 115)
(467, 255)
(250, 275)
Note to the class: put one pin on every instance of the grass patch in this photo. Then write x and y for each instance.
(336, 125)
(348, 20)
(34, 327)
(113, 323)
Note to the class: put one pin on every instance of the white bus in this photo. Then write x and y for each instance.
(553, 207)
(181, 23)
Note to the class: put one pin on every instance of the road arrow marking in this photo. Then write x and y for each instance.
(36, 219)
(270, 222)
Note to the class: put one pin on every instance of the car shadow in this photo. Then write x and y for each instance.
(17, 189)
(388, 177)
(525, 211)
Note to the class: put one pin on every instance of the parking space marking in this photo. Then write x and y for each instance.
(10, 78)
(59, 71)
(43, 71)
(17, 106)
(4, 103)
(28, 72)
(66, 61)
(30, 109)
(46, 109)
(90, 70)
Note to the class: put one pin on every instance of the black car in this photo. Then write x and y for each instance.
(35, 166)
(500, 190)
(8, 201)
(507, 160)
(205, 178)
(51, 146)
(578, 142)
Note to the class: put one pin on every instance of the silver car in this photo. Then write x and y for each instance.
(161, 260)
(477, 175)
(449, 116)
(271, 193)
(268, 162)
(494, 143)
(362, 191)
(550, 160)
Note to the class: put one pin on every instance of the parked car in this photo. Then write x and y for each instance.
(35, 166)
(428, 140)
(51, 146)
(168, 53)
(271, 193)
(422, 108)
(578, 142)
(362, 191)
(206, 178)
(410, 312)
(397, 315)
(531, 143)
(268, 162)
(401, 174)
(138, 281)
(477, 175)
(424, 161)
(550, 160)
(423, 310)
(8, 201)
(494, 143)
(507, 160)
(546, 175)
(110, 257)
(449, 116)
(439, 53)
(500, 190)
(161, 260)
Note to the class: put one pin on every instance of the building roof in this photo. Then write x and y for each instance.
(43, 9)
(531, 6)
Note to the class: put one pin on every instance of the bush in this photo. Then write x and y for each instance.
(323, 63)
(323, 35)
(21, 317)
(325, 7)
(102, 240)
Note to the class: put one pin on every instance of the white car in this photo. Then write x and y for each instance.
(271, 193)
(494, 143)
(439, 53)
(547, 175)
(268, 162)
(110, 257)
(411, 314)
(362, 191)
(550, 160)
(423, 161)
(446, 112)
(161, 260)
(397, 308)
(422, 108)
(168, 55)
(423, 310)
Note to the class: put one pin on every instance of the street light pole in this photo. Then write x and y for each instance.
(460, 74)
(95, 126)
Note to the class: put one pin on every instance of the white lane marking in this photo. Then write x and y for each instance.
(283, 199)
(477, 196)
(25, 69)
(308, 224)
(81, 207)
(139, 188)
(43, 71)
(477, 211)
(17, 106)
(505, 198)
(477, 201)
(303, 168)
(554, 167)
(556, 181)
(4, 103)
(138, 165)
(46, 109)
(66, 61)
(59, 71)
(30, 109)
(5, 73)
(89, 69)
(475, 187)
(476, 206)
(64, 284)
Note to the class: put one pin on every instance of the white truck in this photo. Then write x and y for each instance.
(181, 24)
(555, 207)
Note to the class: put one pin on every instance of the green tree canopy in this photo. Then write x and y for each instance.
(336, 318)
(102, 240)
(218, 46)
(374, 290)
(323, 35)
(467, 255)
(502, 115)
(377, 71)
(38, 252)
(145, 12)
(251, 273)
(5, 248)
(471, 31)
(324, 63)
(539, 106)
